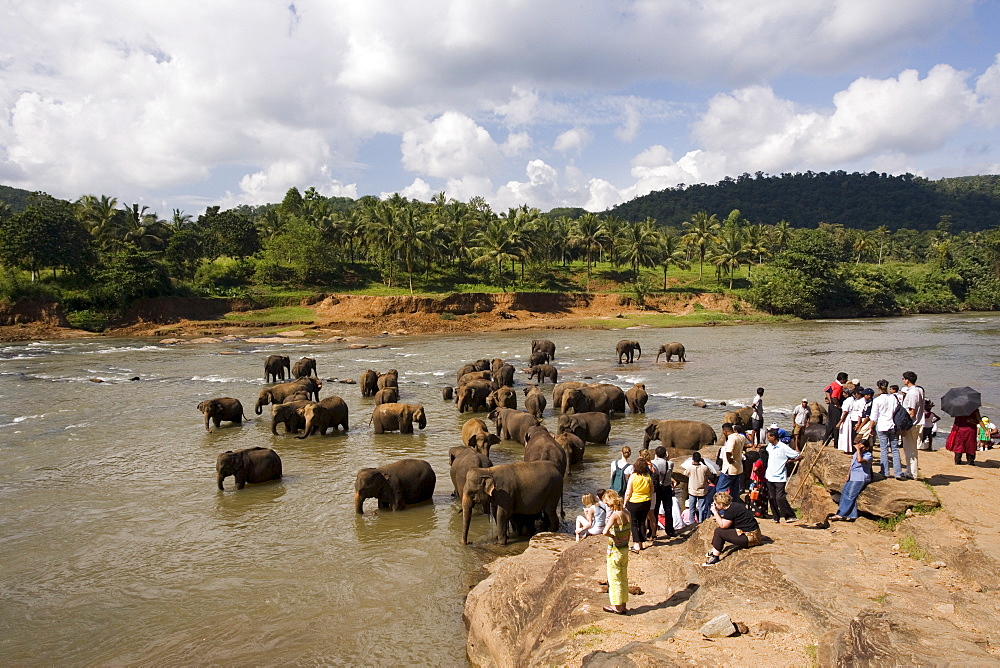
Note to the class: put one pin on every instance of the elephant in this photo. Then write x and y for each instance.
(301, 395)
(369, 383)
(615, 395)
(818, 413)
(388, 379)
(395, 485)
(505, 374)
(388, 395)
(513, 425)
(504, 397)
(671, 349)
(481, 365)
(679, 434)
(330, 413)
(813, 432)
(637, 398)
(544, 372)
(538, 358)
(740, 419)
(398, 417)
(626, 349)
(544, 346)
(587, 399)
(573, 445)
(280, 393)
(522, 488)
(274, 368)
(222, 409)
(541, 446)
(462, 459)
(304, 368)
(468, 368)
(495, 364)
(476, 435)
(251, 465)
(472, 396)
(560, 389)
(475, 375)
(588, 427)
(289, 414)
(447, 392)
(534, 401)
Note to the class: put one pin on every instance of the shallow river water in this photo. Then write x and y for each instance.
(117, 546)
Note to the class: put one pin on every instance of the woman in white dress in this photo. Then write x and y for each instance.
(852, 407)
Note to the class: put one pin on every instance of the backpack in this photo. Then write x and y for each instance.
(618, 481)
(901, 419)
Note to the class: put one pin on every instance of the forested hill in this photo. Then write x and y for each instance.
(15, 198)
(863, 201)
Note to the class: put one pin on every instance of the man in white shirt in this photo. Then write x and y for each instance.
(913, 402)
(731, 476)
(888, 440)
(800, 420)
(776, 475)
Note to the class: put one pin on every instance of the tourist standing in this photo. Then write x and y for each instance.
(800, 420)
(664, 491)
(617, 529)
(885, 429)
(834, 396)
(736, 525)
(858, 478)
(865, 425)
(850, 415)
(620, 471)
(913, 402)
(638, 500)
(732, 461)
(776, 474)
(930, 418)
(698, 500)
(757, 419)
(962, 439)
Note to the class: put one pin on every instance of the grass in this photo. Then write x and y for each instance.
(277, 314)
(813, 652)
(909, 544)
(703, 317)
(880, 598)
(890, 523)
(589, 630)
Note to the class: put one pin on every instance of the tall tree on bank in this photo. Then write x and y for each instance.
(588, 233)
(671, 254)
(702, 231)
(45, 234)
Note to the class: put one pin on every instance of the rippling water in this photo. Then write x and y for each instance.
(118, 548)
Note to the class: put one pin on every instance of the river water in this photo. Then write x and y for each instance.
(117, 546)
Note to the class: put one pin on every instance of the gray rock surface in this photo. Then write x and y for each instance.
(718, 627)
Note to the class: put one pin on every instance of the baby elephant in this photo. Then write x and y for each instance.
(395, 485)
(387, 395)
(637, 398)
(398, 417)
(251, 465)
(222, 408)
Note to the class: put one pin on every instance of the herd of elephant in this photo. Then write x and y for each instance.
(516, 496)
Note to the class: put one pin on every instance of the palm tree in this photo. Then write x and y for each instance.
(638, 244)
(756, 244)
(702, 232)
(493, 247)
(729, 252)
(671, 253)
(382, 218)
(781, 234)
(102, 218)
(411, 236)
(144, 229)
(863, 245)
(588, 233)
(613, 227)
(181, 220)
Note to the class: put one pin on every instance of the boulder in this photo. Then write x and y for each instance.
(890, 497)
(718, 627)
(699, 404)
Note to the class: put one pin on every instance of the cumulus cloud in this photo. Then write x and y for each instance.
(572, 141)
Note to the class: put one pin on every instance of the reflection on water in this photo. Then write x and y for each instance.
(118, 548)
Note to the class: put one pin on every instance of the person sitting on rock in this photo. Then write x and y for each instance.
(737, 525)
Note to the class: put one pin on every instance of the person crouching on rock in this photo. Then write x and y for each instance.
(618, 530)
(593, 519)
(737, 525)
(858, 478)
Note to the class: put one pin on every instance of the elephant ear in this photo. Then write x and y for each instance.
(493, 439)
(488, 485)
(651, 428)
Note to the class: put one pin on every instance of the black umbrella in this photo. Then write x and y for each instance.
(960, 401)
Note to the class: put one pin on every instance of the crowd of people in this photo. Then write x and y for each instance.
(755, 464)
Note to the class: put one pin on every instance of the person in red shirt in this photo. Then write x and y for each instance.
(834, 397)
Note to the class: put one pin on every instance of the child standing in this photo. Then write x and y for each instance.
(927, 434)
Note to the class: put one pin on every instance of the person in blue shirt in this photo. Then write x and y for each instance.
(776, 475)
(857, 479)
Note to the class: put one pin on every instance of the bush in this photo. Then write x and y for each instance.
(222, 274)
(13, 288)
(91, 321)
(785, 291)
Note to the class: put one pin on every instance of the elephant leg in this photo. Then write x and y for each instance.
(217, 421)
(502, 520)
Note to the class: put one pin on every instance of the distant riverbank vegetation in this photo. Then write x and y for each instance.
(97, 256)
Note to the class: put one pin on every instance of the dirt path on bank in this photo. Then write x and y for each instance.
(925, 594)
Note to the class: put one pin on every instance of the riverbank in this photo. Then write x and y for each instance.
(923, 593)
(324, 317)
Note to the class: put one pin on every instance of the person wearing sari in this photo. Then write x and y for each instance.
(962, 439)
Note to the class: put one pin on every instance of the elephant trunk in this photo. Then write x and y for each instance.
(206, 423)
(274, 424)
(258, 407)
(467, 503)
(359, 503)
(221, 478)
(638, 348)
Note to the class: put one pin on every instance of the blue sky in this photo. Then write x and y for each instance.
(190, 104)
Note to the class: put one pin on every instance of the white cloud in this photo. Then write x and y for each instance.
(572, 141)
(451, 145)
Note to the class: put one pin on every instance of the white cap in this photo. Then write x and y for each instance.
(774, 425)
(805, 400)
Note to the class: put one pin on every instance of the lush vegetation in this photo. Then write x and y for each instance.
(97, 257)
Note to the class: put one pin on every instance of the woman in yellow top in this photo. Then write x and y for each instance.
(617, 529)
(638, 499)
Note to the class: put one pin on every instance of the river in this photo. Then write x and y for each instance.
(118, 548)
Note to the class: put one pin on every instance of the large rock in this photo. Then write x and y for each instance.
(718, 627)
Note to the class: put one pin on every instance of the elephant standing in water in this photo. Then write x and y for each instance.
(462, 459)
(680, 434)
(395, 485)
(330, 413)
(544, 346)
(521, 488)
(671, 349)
(289, 414)
(304, 368)
(222, 408)
(274, 368)
(627, 349)
(250, 465)
(398, 417)
(637, 398)
(369, 383)
(476, 435)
